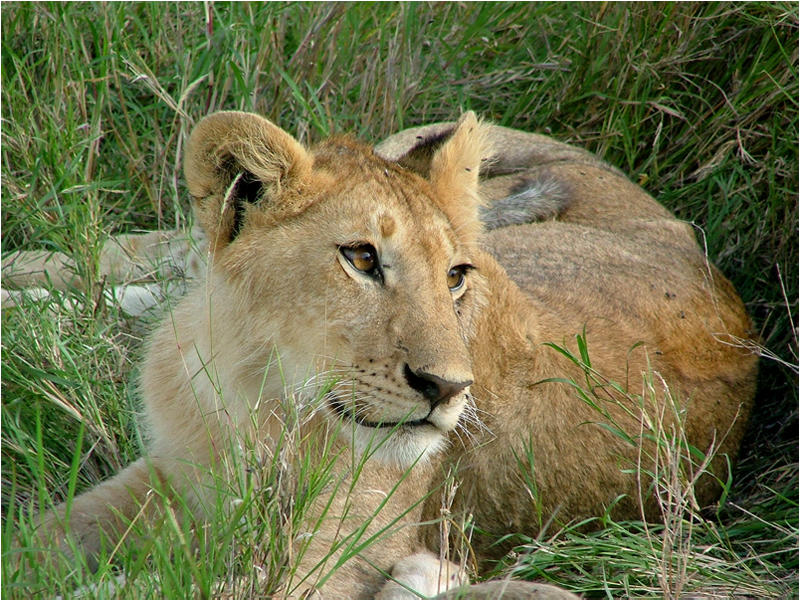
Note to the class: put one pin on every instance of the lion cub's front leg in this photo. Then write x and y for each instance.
(422, 575)
(102, 515)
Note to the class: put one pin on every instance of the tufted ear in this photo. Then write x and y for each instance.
(239, 162)
(454, 171)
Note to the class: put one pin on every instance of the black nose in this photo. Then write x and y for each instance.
(434, 388)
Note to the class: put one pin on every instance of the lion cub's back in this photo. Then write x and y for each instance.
(616, 264)
(615, 260)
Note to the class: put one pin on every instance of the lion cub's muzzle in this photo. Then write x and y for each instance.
(403, 413)
(411, 398)
(435, 389)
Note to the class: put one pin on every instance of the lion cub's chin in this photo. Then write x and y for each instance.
(406, 445)
(402, 446)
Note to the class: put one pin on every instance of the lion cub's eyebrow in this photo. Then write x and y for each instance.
(387, 225)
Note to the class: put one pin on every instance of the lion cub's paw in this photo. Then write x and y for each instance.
(508, 589)
(422, 575)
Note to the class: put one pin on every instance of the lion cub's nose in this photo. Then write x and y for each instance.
(434, 388)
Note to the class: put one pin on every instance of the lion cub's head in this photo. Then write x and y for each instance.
(334, 261)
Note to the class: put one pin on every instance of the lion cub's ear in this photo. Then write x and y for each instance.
(454, 174)
(236, 162)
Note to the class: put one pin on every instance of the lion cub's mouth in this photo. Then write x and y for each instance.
(338, 405)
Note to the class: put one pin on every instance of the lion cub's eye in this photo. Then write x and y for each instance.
(456, 277)
(363, 257)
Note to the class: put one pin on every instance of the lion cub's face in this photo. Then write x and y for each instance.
(350, 268)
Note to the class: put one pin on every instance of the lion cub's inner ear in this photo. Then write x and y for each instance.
(238, 162)
(454, 174)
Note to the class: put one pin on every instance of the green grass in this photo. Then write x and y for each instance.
(698, 102)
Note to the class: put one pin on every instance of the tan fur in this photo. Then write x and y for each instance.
(614, 263)
(619, 266)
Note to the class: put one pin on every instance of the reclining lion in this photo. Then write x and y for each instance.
(541, 360)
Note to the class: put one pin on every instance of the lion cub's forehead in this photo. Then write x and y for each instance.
(400, 214)
(382, 201)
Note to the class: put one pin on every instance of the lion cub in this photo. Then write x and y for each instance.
(362, 287)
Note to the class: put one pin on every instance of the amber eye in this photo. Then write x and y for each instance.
(363, 257)
(455, 277)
